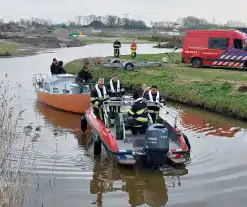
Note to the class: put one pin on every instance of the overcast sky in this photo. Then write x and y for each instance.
(147, 10)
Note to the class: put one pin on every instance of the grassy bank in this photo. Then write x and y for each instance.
(10, 49)
(218, 90)
(13, 49)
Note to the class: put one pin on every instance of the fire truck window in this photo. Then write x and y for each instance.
(238, 44)
(218, 43)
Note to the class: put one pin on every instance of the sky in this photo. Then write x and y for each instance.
(147, 10)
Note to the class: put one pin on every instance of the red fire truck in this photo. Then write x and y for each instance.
(215, 48)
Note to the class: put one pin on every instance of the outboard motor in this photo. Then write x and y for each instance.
(156, 145)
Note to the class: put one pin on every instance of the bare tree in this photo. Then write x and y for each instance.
(111, 20)
(78, 20)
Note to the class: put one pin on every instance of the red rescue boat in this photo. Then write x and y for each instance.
(160, 144)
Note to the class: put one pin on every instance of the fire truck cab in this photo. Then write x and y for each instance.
(215, 48)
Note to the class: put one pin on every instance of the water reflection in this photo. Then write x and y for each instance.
(61, 122)
(142, 187)
(58, 118)
(210, 123)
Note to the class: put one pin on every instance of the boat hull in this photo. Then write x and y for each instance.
(125, 156)
(76, 103)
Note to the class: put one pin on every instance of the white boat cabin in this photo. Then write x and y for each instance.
(60, 84)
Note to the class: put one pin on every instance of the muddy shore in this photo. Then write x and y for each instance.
(16, 46)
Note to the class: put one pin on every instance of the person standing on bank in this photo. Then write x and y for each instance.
(133, 48)
(116, 46)
(115, 89)
(98, 96)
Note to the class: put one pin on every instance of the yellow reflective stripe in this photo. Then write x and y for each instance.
(131, 112)
(93, 98)
(96, 103)
(140, 111)
(115, 98)
(100, 114)
(141, 119)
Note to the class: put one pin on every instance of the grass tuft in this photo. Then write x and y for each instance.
(15, 148)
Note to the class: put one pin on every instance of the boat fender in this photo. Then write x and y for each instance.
(186, 141)
(83, 124)
(96, 145)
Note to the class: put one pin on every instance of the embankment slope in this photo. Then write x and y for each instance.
(218, 90)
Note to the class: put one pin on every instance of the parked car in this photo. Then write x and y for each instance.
(215, 48)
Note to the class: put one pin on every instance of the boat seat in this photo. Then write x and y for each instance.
(74, 85)
(66, 91)
(55, 90)
(139, 130)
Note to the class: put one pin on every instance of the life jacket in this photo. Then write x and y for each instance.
(112, 86)
(151, 97)
(99, 92)
(133, 47)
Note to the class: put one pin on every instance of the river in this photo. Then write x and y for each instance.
(67, 175)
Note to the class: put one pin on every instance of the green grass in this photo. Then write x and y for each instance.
(10, 49)
(214, 89)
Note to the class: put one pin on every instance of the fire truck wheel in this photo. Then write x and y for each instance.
(196, 63)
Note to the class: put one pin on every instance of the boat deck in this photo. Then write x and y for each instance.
(134, 143)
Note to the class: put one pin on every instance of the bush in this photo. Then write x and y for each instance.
(165, 38)
(5, 53)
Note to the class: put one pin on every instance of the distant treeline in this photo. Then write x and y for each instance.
(111, 21)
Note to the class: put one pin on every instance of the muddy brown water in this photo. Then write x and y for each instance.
(65, 174)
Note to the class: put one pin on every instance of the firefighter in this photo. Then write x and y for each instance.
(153, 95)
(98, 96)
(115, 89)
(137, 116)
(116, 46)
(133, 48)
(85, 76)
